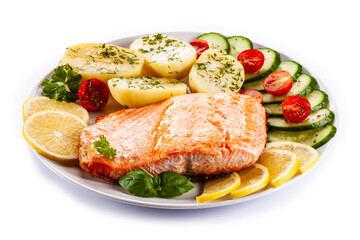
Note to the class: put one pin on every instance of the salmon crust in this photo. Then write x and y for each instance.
(193, 134)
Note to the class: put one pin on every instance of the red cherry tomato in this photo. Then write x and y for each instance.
(296, 108)
(253, 93)
(93, 94)
(200, 46)
(251, 59)
(278, 83)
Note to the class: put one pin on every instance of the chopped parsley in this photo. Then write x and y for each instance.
(160, 43)
(144, 83)
(117, 55)
(221, 71)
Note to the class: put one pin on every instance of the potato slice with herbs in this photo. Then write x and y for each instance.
(102, 61)
(165, 56)
(141, 91)
(216, 72)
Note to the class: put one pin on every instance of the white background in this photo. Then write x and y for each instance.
(36, 203)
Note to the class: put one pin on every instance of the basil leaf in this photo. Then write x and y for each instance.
(138, 183)
(170, 184)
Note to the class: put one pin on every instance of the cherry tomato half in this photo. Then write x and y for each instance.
(251, 59)
(200, 46)
(278, 83)
(296, 108)
(93, 94)
(253, 93)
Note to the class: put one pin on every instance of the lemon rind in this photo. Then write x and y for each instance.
(41, 150)
(290, 171)
(85, 118)
(213, 196)
(254, 187)
(302, 168)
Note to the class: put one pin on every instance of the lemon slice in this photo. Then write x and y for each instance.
(54, 134)
(307, 155)
(218, 187)
(282, 165)
(41, 103)
(253, 178)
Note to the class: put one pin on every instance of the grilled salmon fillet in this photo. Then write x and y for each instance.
(192, 134)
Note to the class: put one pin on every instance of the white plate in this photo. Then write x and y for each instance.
(77, 176)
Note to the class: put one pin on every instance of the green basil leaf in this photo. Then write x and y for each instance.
(138, 183)
(170, 184)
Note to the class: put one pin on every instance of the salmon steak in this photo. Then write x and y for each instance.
(193, 134)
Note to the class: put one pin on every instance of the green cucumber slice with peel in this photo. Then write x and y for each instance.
(292, 67)
(316, 119)
(272, 61)
(303, 85)
(314, 138)
(317, 98)
(238, 44)
(216, 41)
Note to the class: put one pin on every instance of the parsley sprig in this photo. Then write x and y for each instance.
(64, 84)
(103, 147)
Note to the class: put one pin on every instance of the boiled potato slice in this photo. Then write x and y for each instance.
(165, 56)
(216, 72)
(141, 91)
(103, 61)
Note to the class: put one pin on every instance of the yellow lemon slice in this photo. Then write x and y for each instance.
(54, 134)
(306, 155)
(41, 103)
(218, 187)
(282, 165)
(253, 178)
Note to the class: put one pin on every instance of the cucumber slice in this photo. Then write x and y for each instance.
(216, 41)
(303, 85)
(256, 85)
(314, 138)
(274, 109)
(292, 67)
(272, 61)
(238, 44)
(316, 119)
(317, 98)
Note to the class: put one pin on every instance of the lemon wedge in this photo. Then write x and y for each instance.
(282, 165)
(41, 103)
(253, 178)
(306, 155)
(218, 187)
(54, 134)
